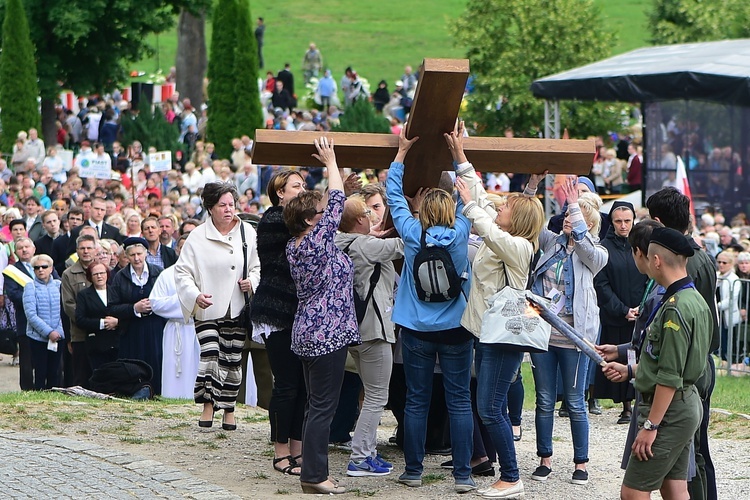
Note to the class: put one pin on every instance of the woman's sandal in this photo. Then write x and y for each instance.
(289, 469)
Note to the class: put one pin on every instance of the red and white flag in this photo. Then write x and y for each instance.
(682, 184)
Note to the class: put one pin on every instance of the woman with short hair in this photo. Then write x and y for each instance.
(41, 303)
(325, 323)
(141, 331)
(217, 269)
(96, 317)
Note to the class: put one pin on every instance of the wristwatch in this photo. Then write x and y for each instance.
(650, 426)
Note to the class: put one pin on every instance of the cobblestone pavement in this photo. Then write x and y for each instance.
(49, 467)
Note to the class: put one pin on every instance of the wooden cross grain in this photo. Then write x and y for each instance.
(434, 111)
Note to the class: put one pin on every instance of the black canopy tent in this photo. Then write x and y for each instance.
(695, 97)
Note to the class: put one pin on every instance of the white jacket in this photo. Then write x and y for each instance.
(729, 299)
(211, 263)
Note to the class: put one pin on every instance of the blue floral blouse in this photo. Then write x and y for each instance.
(325, 320)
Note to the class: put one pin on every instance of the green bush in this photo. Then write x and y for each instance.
(361, 117)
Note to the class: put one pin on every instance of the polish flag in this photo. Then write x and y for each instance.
(682, 184)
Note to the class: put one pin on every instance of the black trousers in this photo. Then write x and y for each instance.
(323, 378)
(287, 407)
(81, 368)
(347, 411)
(46, 364)
(26, 375)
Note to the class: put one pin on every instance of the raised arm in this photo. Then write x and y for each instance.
(327, 157)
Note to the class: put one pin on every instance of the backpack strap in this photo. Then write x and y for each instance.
(374, 278)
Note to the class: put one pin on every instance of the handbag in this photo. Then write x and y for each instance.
(244, 318)
(510, 322)
(7, 333)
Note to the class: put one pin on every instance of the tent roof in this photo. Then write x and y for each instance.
(710, 71)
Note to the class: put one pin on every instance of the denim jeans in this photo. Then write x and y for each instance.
(455, 363)
(573, 369)
(496, 370)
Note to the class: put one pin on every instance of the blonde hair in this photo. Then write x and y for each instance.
(526, 217)
(729, 255)
(354, 208)
(590, 204)
(437, 209)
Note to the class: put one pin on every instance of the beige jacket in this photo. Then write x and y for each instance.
(497, 247)
(211, 263)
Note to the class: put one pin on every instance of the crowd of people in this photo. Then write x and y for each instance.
(161, 268)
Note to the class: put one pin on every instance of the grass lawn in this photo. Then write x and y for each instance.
(377, 38)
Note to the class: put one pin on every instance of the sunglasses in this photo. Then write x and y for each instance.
(36, 268)
(722, 262)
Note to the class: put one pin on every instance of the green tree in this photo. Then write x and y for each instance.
(511, 43)
(361, 117)
(222, 77)
(18, 88)
(248, 111)
(150, 128)
(685, 21)
(87, 45)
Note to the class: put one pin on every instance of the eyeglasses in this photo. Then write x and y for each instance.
(36, 268)
(319, 212)
(368, 211)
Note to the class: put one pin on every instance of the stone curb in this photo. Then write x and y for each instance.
(182, 483)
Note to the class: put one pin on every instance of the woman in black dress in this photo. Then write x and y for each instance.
(142, 331)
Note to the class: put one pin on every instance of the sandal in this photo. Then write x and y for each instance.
(289, 469)
(624, 417)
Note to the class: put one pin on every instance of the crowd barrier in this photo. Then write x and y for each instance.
(734, 348)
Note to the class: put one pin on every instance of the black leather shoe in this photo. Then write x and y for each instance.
(205, 423)
(484, 469)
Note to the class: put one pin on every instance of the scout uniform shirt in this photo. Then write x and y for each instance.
(677, 341)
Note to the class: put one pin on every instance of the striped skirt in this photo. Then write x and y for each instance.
(220, 368)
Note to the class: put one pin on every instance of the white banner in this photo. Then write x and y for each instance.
(161, 161)
(91, 165)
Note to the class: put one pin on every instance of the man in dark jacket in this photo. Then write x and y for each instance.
(157, 255)
(619, 289)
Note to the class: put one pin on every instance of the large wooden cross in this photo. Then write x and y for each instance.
(434, 111)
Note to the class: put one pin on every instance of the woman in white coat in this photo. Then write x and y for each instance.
(211, 286)
(180, 344)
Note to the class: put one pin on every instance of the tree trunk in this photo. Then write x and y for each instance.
(49, 117)
(191, 56)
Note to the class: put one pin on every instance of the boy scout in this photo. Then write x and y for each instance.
(672, 359)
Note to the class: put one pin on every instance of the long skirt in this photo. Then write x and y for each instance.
(220, 368)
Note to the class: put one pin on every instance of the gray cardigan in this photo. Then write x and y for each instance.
(366, 251)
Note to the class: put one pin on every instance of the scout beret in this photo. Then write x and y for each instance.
(672, 240)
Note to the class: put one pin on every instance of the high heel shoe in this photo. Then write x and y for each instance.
(318, 488)
(226, 426)
(206, 423)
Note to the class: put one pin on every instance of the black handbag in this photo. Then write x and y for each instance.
(244, 318)
(7, 335)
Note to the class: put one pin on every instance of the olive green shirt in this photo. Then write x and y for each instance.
(677, 342)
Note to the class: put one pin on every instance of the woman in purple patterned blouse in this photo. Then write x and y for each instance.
(325, 323)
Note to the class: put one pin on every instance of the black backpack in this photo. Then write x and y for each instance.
(435, 276)
(124, 377)
(360, 304)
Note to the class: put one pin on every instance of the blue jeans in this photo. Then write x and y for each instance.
(496, 370)
(573, 369)
(419, 364)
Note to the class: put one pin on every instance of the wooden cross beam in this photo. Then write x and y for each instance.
(434, 111)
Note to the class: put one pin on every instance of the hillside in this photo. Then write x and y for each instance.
(378, 38)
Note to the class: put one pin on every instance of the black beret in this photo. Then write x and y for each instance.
(672, 240)
(134, 240)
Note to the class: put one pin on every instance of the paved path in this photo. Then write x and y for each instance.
(50, 467)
